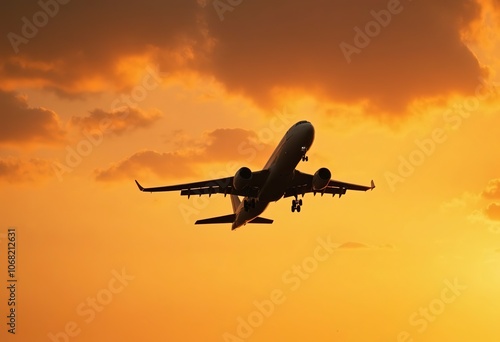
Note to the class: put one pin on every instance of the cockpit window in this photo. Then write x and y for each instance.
(300, 123)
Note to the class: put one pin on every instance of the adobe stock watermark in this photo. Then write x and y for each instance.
(248, 150)
(363, 36)
(88, 309)
(424, 316)
(30, 27)
(292, 278)
(75, 154)
(223, 6)
(453, 119)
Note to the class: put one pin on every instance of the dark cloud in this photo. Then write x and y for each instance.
(85, 42)
(15, 170)
(353, 245)
(360, 245)
(22, 124)
(263, 46)
(117, 121)
(492, 190)
(222, 145)
(259, 49)
(159, 164)
(236, 144)
(493, 211)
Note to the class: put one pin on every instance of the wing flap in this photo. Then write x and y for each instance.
(302, 184)
(349, 186)
(214, 186)
(215, 183)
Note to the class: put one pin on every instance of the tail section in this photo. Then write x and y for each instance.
(235, 202)
(231, 218)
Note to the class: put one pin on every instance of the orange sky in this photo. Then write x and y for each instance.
(94, 95)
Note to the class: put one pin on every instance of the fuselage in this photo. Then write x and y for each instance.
(281, 165)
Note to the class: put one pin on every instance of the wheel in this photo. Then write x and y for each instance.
(307, 158)
(294, 203)
(293, 208)
(300, 202)
(298, 209)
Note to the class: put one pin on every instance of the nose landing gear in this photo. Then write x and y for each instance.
(304, 151)
(296, 205)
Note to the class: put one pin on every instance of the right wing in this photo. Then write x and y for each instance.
(302, 184)
(214, 186)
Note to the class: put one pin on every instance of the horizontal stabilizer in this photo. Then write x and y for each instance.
(219, 219)
(261, 220)
(230, 219)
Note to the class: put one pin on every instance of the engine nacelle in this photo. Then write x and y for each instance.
(242, 178)
(321, 179)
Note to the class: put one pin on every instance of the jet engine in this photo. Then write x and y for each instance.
(242, 178)
(321, 179)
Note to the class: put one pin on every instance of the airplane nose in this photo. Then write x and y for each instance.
(309, 128)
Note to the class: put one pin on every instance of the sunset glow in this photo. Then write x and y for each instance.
(96, 94)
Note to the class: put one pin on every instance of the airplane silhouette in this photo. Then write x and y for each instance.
(279, 178)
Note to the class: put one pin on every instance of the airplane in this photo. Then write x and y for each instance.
(279, 178)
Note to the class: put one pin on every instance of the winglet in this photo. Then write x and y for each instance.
(371, 188)
(139, 186)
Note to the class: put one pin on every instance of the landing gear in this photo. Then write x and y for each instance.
(247, 204)
(296, 205)
(304, 151)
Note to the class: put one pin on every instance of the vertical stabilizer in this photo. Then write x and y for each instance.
(235, 201)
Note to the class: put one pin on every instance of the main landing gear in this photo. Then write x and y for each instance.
(304, 151)
(296, 205)
(247, 204)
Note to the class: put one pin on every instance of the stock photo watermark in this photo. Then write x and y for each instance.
(30, 27)
(292, 279)
(364, 36)
(223, 6)
(12, 279)
(76, 154)
(88, 309)
(452, 119)
(428, 314)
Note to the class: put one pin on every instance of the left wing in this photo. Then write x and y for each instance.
(214, 186)
(302, 184)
